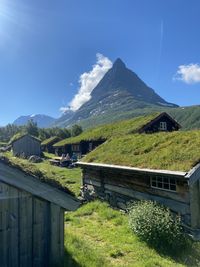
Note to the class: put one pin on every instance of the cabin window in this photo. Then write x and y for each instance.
(76, 147)
(164, 183)
(163, 126)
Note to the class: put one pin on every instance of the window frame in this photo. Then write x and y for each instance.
(75, 147)
(163, 182)
(163, 126)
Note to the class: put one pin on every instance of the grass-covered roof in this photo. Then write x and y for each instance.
(177, 151)
(50, 140)
(18, 136)
(110, 130)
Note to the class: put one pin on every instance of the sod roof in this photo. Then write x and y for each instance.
(19, 136)
(176, 151)
(110, 130)
(50, 140)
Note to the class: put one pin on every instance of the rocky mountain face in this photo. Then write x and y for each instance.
(43, 121)
(119, 95)
(64, 119)
(119, 92)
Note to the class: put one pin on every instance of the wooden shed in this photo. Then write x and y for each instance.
(47, 145)
(119, 185)
(31, 220)
(26, 145)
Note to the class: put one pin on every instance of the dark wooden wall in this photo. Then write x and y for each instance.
(120, 187)
(31, 230)
(171, 126)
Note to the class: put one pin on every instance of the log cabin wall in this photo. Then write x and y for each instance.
(31, 229)
(27, 145)
(195, 204)
(119, 187)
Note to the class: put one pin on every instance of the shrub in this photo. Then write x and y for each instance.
(156, 225)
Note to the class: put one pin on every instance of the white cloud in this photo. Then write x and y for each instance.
(64, 109)
(188, 73)
(88, 81)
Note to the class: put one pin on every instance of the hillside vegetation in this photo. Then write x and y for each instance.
(98, 236)
(176, 151)
(188, 117)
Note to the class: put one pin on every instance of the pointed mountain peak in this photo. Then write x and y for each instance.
(119, 63)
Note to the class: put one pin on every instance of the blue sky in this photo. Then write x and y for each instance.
(46, 45)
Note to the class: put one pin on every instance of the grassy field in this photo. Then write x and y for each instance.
(69, 179)
(96, 235)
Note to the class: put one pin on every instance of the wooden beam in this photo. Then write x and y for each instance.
(172, 204)
(131, 169)
(34, 186)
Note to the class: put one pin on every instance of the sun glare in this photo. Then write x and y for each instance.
(3, 9)
(9, 18)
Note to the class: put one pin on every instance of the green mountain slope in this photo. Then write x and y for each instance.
(188, 117)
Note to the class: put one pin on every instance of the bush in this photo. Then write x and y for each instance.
(156, 225)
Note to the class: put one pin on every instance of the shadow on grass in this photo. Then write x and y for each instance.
(69, 261)
(188, 255)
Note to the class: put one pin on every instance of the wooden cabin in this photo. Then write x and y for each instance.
(47, 145)
(26, 145)
(92, 138)
(163, 122)
(31, 220)
(79, 148)
(119, 185)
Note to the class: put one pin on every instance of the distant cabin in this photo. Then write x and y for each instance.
(26, 145)
(161, 123)
(47, 144)
(79, 148)
(31, 220)
(92, 138)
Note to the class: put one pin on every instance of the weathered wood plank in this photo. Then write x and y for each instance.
(131, 169)
(172, 204)
(34, 186)
(62, 235)
(25, 228)
(183, 196)
(27, 145)
(40, 256)
(4, 233)
(55, 242)
(91, 182)
(195, 204)
(13, 227)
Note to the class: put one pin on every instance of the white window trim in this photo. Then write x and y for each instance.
(163, 126)
(163, 189)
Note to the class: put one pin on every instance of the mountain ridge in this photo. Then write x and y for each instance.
(43, 121)
(121, 90)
